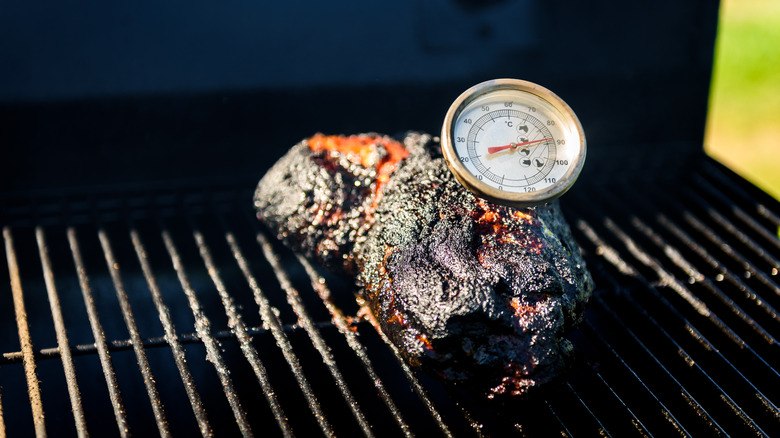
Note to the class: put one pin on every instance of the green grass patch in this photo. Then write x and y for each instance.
(743, 127)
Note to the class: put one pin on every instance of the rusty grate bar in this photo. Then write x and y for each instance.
(419, 389)
(25, 341)
(340, 321)
(2, 420)
(171, 337)
(204, 331)
(270, 319)
(135, 337)
(63, 345)
(303, 319)
(99, 335)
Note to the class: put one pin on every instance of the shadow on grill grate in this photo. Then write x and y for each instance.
(176, 314)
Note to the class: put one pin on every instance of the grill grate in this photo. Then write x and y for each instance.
(174, 313)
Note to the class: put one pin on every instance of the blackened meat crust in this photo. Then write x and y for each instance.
(470, 291)
(319, 198)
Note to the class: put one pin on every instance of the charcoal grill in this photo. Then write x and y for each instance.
(141, 297)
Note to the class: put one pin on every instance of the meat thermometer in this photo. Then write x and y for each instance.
(513, 142)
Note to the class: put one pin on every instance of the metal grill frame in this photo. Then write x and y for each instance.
(680, 338)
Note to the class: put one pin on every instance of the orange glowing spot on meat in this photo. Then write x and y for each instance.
(396, 319)
(523, 216)
(488, 216)
(522, 309)
(426, 343)
(362, 149)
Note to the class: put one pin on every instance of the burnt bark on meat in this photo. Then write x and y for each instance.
(470, 291)
(319, 198)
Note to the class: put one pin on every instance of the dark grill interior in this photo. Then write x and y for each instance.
(173, 312)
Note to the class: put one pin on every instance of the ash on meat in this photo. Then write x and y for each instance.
(475, 293)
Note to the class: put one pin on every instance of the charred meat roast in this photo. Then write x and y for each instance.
(475, 293)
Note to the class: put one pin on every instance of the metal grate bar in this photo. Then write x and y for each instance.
(99, 335)
(697, 407)
(726, 398)
(213, 354)
(726, 183)
(735, 255)
(304, 320)
(677, 340)
(475, 425)
(694, 275)
(418, 388)
(723, 394)
(170, 336)
(126, 344)
(565, 431)
(62, 336)
(635, 421)
(622, 266)
(742, 238)
(33, 388)
(688, 267)
(711, 191)
(603, 401)
(667, 415)
(671, 281)
(135, 337)
(723, 272)
(566, 406)
(602, 431)
(270, 319)
(2, 420)
(664, 276)
(340, 321)
(730, 333)
(560, 422)
(600, 243)
(727, 249)
(747, 319)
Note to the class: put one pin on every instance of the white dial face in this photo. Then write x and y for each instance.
(515, 141)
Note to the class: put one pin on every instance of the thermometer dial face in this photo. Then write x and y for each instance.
(513, 142)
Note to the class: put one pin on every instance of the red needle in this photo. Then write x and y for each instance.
(494, 149)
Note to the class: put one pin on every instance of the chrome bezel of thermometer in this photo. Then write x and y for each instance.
(547, 114)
